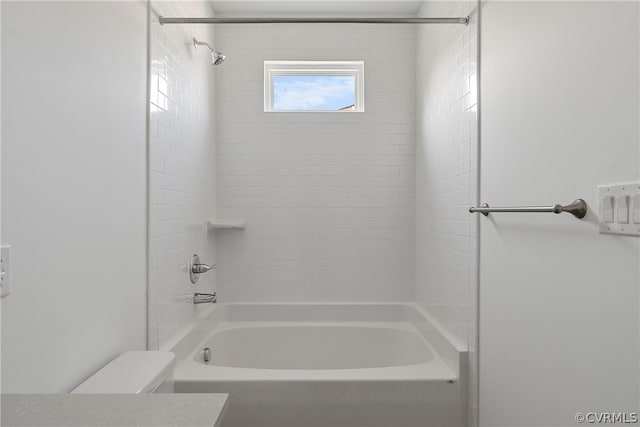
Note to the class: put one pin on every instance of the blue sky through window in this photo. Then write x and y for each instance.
(313, 92)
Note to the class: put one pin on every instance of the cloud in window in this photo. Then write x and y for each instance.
(313, 92)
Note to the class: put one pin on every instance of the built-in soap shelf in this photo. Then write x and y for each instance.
(220, 223)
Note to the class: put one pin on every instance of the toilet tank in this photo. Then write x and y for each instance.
(133, 372)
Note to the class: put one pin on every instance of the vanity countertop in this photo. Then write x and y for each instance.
(114, 410)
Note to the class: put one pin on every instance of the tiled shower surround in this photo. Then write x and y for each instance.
(340, 207)
(181, 162)
(446, 172)
(446, 169)
(328, 197)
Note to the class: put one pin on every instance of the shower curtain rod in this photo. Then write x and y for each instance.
(460, 20)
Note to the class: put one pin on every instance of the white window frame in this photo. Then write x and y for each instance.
(313, 68)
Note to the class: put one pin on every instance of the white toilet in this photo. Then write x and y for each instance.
(133, 372)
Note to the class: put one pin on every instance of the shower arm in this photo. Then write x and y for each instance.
(197, 43)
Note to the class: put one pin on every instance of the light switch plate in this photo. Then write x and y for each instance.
(621, 224)
(5, 271)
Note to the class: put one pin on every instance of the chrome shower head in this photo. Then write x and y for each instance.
(217, 58)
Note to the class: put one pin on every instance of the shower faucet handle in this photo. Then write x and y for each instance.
(196, 268)
(201, 268)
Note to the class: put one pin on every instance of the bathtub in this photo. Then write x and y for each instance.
(325, 365)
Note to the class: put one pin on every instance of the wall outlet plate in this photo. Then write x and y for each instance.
(5, 271)
(624, 224)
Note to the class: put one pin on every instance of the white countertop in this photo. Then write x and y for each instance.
(115, 410)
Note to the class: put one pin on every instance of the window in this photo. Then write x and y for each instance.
(325, 86)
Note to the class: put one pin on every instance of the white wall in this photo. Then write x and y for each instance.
(446, 176)
(1, 193)
(73, 188)
(329, 197)
(182, 168)
(558, 301)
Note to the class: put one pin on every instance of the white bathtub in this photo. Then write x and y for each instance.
(330, 365)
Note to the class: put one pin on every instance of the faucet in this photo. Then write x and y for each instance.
(195, 269)
(199, 298)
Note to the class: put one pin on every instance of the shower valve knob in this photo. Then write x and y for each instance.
(201, 268)
(195, 268)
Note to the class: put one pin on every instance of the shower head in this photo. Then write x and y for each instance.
(217, 58)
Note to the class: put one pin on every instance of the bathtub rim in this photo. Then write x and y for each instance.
(451, 351)
(403, 330)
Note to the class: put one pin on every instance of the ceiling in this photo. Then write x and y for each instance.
(249, 8)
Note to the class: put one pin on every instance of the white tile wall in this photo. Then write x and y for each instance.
(328, 197)
(182, 163)
(446, 171)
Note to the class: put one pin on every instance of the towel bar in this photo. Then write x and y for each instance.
(578, 209)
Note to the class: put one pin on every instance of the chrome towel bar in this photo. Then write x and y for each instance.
(578, 209)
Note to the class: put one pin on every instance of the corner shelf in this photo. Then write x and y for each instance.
(218, 224)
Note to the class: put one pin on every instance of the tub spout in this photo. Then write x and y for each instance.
(204, 298)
